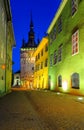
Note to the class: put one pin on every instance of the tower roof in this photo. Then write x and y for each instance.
(31, 37)
(23, 43)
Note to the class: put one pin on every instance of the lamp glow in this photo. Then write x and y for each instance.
(3, 66)
(64, 85)
(80, 98)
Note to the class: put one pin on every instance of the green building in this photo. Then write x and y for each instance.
(6, 43)
(66, 48)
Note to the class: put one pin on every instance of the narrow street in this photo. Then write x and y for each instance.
(41, 110)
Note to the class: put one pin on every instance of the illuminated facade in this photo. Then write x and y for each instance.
(6, 43)
(66, 48)
(27, 60)
(41, 65)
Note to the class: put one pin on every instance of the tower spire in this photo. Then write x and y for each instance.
(31, 37)
(31, 21)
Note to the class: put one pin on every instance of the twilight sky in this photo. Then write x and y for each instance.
(43, 12)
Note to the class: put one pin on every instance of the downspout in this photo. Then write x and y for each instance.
(6, 57)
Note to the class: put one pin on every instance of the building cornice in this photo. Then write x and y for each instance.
(41, 45)
(58, 13)
(8, 10)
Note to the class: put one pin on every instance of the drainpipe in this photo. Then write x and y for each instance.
(6, 56)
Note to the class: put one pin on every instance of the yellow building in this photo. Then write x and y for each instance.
(41, 65)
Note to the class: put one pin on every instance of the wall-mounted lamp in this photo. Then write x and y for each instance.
(3, 66)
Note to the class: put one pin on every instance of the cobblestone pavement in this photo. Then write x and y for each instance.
(41, 110)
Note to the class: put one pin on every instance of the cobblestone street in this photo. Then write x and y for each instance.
(41, 110)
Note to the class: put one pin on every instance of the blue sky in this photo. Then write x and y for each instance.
(43, 12)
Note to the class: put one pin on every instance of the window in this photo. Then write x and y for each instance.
(54, 33)
(75, 42)
(75, 80)
(17, 77)
(51, 58)
(60, 24)
(74, 6)
(55, 57)
(46, 47)
(38, 55)
(60, 53)
(32, 68)
(41, 65)
(59, 81)
(36, 58)
(46, 62)
(51, 38)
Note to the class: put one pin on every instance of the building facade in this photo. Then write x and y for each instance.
(27, 59)
(16, 79)
(66, 48)
(41, 65)
(6, 43)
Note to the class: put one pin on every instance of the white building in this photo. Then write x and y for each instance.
(16, 80)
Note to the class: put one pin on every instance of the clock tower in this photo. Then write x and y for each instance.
(27, 59)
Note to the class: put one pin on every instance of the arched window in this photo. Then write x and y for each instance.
(59, 81)
(75, 80)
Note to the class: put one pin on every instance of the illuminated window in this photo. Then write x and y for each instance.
(60, 24)
(55, 57)
(60, 53)
(75, 80)
(51, 59)
(74, 6)
(75, 42)
(59, 81)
